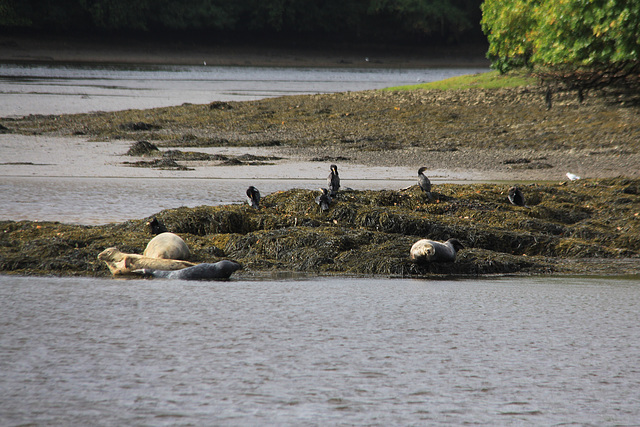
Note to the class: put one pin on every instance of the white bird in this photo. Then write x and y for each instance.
(572, 177)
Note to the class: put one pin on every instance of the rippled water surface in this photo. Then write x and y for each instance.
(319, 351)
(55, 89)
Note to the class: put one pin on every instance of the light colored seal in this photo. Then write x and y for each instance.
(426, 250)
(167, 246)
(120, 263)
(205, 271)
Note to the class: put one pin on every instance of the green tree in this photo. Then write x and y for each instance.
(569, 35)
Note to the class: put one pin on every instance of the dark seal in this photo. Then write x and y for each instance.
(205, 271)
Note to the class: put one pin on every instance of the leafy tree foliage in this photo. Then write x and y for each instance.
(593, 37)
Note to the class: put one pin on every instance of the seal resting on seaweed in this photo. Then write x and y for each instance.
(205, 271)
(424, 182)
(426, 250)
(167, 246)
(120, 263)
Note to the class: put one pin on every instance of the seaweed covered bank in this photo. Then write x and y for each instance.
(580, 227)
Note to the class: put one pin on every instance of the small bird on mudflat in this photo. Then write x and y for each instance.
(324, 200)
(253, 197)
(516, 197)
(333, 181)
(424, 182)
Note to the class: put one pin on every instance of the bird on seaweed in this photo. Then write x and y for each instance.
(516, 197)
(156, 227)
(424, 182)
(324, 200)
(333, 181)
(253, 197)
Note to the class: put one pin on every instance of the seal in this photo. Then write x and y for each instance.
(333, 181)
(426, 250)
(253, 197)
(324, 200)
(424, 182)
(205, 271)
(167, 246)
(121, 263)
(516, 197)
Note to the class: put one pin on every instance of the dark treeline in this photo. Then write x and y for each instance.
(390, 21)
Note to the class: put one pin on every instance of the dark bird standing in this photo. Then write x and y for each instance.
(424, 182)
(516, 197)
(333, 181)
(156, 227)
(324, 200)
(253, 197)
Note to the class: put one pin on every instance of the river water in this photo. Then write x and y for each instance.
(74, 180)
(277, 350)
(75, 88)
(320, 351)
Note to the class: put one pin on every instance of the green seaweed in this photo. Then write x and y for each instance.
(567, 228)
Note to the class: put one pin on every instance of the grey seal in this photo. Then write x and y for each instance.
(253, 197)
(205, 271)
(426, 250)
(333, 181)
(424, 182)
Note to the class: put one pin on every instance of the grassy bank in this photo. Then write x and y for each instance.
(430, 119)
(490, 80)
(583, 227)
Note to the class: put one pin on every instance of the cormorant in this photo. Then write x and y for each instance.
(515, 196)
(424, 182)
(253, 197)
(324, 200)
(333, 181)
